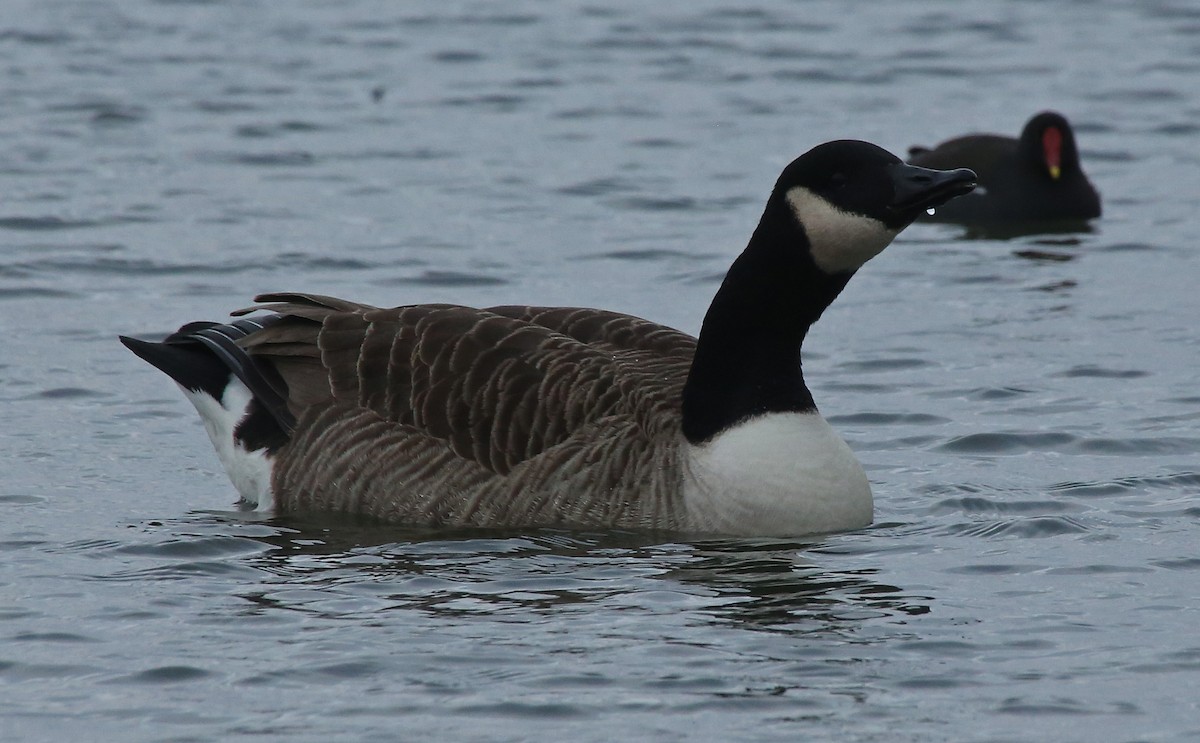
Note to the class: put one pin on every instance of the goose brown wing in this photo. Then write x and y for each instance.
(653, 358)
(606, 330)
(498, 387)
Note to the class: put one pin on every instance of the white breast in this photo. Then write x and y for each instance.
(781, 474)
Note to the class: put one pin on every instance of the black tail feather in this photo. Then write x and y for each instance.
(202, 355)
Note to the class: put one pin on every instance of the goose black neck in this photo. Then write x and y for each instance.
(747, 360)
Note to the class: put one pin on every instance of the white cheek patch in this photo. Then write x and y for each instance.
(839, 240)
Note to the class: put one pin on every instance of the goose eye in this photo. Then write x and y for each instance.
(838, 180)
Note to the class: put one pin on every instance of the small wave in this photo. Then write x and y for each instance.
(1055, 286)
(1046, 255)
(38, 38)
(978, 505)
(267, 131)
(1128, 247)
(336, 264)
(1098, 569)
(21, 500)
(824, 75)
(68, 637)
(457, 56)
(49, 223)
(646, 254)
(69, 393)
(888, 419)
(657, 204)
(657, 143)
(1053, 706)
(499, 102)
(1008, 443)
(601, 112)
(446, 278)
(283, 158)
(985, 394)
(1097, 372)
(165, 675)
(129, 267)
(1136, 95)
(119, 115)
(1188, 481)
(702, 279)
(416, 153)
(45, 223)
(179, 571)
(224, 106)
(194, 547)
(598, 187)
(882, 365)
(1178, 129)
(472, 19)
(1030, 527)
(14, 671)
(89, 545)
(538, 82)
(26, 292)
(1182, 563)
(996, 568)
(1135, 446)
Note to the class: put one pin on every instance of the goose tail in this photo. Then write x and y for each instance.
(242, 403)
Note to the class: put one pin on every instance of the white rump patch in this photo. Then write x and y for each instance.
(839, 240)
(781, 474)
(249, 470)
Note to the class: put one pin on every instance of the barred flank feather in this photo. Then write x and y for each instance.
(448, 415)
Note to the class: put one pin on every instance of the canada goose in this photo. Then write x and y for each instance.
(1034, 178)
(534, 416)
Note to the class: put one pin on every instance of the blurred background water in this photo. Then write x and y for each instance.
(1027, 409)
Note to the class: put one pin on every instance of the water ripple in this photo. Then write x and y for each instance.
(600, 187)
(267, 131)
(1134, 446)
(888, 419)
(35, 38)
(494, 102)
(281, 158)
(1186, 481)
(165, 675)
(446, 278)
(882, 365)
(69, 393)
(645, 254)
(25, 292)
(1097, 372)
(1028, 528)
(44, 223)
(978, 505)
(1008, 443)
(63, 637)
(194, 547)
(124, 267)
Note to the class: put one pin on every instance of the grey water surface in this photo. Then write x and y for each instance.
(1028, 409)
